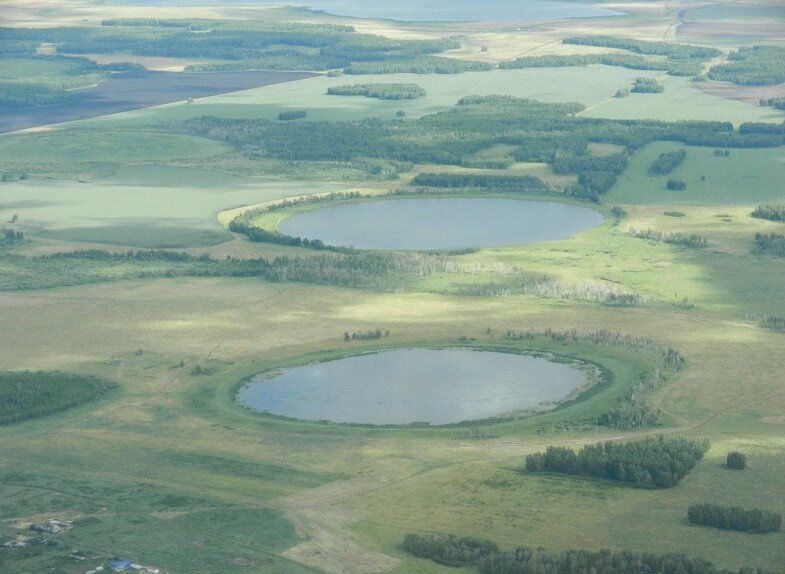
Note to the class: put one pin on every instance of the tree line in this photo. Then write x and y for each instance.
(734, 518)
(379, 91)
(690, 240)
(261, 45)
(534, 132)
(752, 66)
(360, 269)
(465, 551)
(652, 462)
(776, 103)
(448, 549)
(772, 212)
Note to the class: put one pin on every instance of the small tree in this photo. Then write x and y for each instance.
(736, 460)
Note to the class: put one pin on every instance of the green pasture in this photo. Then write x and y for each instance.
(680, 101)
(592, 86)
(140, 206)
(745, 177)
(166, 470)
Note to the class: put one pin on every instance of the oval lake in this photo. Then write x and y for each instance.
(402, 386)
(439, 223)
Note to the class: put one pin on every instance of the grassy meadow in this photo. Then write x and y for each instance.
(167, 470)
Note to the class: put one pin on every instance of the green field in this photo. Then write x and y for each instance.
(745, 177)
(166, 470)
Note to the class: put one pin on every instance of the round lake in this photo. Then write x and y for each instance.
(404, 386)
(444, 223)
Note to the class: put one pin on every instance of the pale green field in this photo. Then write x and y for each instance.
(168, 471)
(145, 206)
(592, 86)
(681, 101)
(746, 177)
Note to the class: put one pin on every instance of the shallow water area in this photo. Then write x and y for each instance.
(403, 386)
(437, 224)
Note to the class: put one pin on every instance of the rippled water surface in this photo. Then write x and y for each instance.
(412, 385)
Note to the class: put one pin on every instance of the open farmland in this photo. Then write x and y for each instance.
(143, 252)
(133, 90)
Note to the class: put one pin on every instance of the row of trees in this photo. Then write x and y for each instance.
(772, 212)
(735, 518)
(776, 103)
(380, 91)
(365, 335)
(773, 322)
(448, 549)
(669, 49)
(653, 462)
(25, 395)
(515, 183)
(691, 240)
(360, 269)
(667, 162)
(452, 550)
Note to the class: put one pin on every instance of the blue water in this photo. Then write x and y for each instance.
(437, 224)
(421, 10)
(412, 385)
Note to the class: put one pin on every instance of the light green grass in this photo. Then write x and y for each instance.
(591, 86)
(747, 176)
(144, 206)
(681, 101)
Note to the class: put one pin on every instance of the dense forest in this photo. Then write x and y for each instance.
(653, 462)
(755, 66)
(379, 91)
(534, 132)
(26, 395)
(734, 518)
(483, 554)
(235, 45)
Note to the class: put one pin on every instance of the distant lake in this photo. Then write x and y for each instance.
(135, 90)
(412, 385)
(441, 223)
(421, 10)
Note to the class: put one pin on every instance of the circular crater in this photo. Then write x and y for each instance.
(426, 224)
(405, 386)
